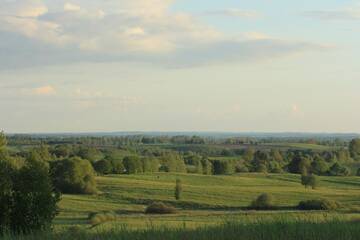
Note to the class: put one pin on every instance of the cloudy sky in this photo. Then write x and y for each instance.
(179, 65)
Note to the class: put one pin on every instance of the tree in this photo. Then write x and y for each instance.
(309, 180)
(34, 198)
(178, 189)
(103, 167)
(299, 164)
(223, 167)
(74, 176)
(319, 166)
(133, 165)
(358, 172)
(354, 148)
(3, 141)
(338, 170)
(206, 166)
(27, 197)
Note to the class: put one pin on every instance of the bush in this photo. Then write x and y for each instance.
(74, 176)
(322, 204)
(263, 202)
(160, 208)
(98, 218)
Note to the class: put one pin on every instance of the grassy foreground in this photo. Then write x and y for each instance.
(228, 231)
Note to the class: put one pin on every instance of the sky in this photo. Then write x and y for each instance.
(179, 65)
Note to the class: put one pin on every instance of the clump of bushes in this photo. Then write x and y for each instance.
(263, 202)
(99, 218)
(160, 208)
(322, 204)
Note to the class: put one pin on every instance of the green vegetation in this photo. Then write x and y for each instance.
(263, 202)
(322, 204)
(129, 181)
(74, 175)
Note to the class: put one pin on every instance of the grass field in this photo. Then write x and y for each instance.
(206, 200)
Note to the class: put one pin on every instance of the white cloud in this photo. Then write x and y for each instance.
(128, 30)
(234, 12)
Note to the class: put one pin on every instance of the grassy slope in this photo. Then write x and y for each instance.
(206, 199)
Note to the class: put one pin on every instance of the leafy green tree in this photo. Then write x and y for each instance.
(27, 197)
(249, 154)
(6, 189)
(34, 198)
(319, 166)
(150, 164)
(178, 189)
(339, 170)
(74, 176)
(354, 148)
(299, 164)
(133, 165)
(223, 167)
(103, 167)
(310, 180)
(275, 167)
(3, 141)
(206, 166)
(276, 155)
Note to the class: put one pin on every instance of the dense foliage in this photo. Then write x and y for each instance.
(74, 175)
(27, 197)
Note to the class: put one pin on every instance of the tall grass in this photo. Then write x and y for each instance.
(279, 230)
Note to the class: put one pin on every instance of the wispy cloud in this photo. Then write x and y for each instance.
(234, 12)
(44, 91)
(351, 13)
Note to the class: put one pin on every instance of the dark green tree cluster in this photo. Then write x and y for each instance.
(27, 197)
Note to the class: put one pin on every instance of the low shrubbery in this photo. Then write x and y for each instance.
(98, 218)
(263, 202)
(160, 208)
(322, 204)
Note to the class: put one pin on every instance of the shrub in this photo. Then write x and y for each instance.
(322, 204)
(73, 176)
(263, 202)
(98, 218)
(160, 208)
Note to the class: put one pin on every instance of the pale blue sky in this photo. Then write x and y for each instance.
(163, 65)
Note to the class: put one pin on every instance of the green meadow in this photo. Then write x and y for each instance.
(206, 200)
